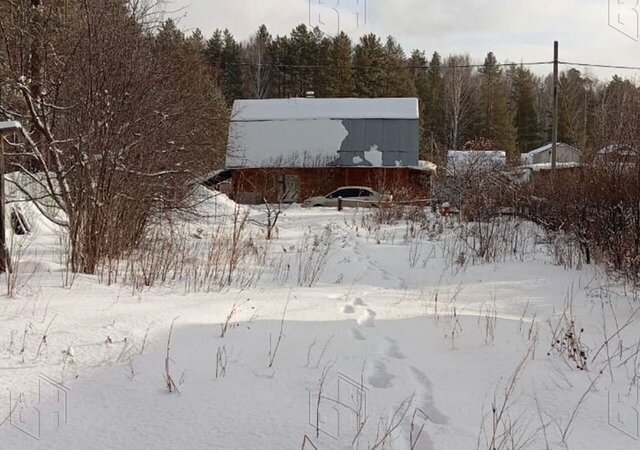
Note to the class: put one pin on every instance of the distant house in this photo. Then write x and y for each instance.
(468, 161)
(618, 157)
(564, 154)
(291, 149)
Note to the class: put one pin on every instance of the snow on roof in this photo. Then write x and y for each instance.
(10, 126)
(547, 147)
(464, 156)
(325, 108)
(427, 165)
(620, 149)
(471, 160)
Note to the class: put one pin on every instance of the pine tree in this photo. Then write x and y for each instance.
(224, 54)
(196, 41)
(574, 108)
(169, 36)
(495, 121)
(340, 82)
(398, 82)
(213, 50)
(232, 66)
(369, 61)
(435, 128)
(280, 57)
(523, 103)
(303, 54)
(322, 69)
(418, 71)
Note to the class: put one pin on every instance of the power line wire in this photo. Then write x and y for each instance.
(353, 67)
(426, 66)
(602, 66)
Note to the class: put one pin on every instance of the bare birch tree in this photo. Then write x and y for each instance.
(259, 71)
(458, 91)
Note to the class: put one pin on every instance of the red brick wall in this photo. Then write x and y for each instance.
(251, 185)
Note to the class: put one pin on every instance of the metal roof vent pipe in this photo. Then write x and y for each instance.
(310, 94)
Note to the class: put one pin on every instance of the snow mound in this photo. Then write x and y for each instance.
(212, 202)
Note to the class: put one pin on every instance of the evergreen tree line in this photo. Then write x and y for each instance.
(498, 106)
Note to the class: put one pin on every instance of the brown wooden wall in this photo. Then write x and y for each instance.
(547, 174)
(404, 183)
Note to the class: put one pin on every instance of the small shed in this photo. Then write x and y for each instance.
(475, 161)
(542, 155)
(292, 149)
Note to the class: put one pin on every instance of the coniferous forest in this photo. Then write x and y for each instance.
(464, 103)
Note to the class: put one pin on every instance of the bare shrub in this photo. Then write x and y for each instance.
(388, 426)
(273, 350)
(228, 324)
(15, 276)
(388, 213)
(273, 214)
(505, 431)
(598, 209)
(415, 251)
(475, 182)
(500, 239)
(168, 379)
(318, 399)
(236, 309)
(281, 267)
(597, 205)
(312, 254)
(566, 338)
(169, 254)
(221, 362)
(565, 250)
(64, 257)
(489, 312)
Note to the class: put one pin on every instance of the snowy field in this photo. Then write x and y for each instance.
(340, 332)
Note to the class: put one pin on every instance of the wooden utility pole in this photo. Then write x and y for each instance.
(554, 137)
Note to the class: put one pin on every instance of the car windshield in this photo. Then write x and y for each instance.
(351, 193)
(345, 193)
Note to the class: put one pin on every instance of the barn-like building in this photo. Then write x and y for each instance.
(565, 154)
(291, 149)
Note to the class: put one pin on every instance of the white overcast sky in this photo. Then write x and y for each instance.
(515, 30)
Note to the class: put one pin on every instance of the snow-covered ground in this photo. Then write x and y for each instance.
(344, 334)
